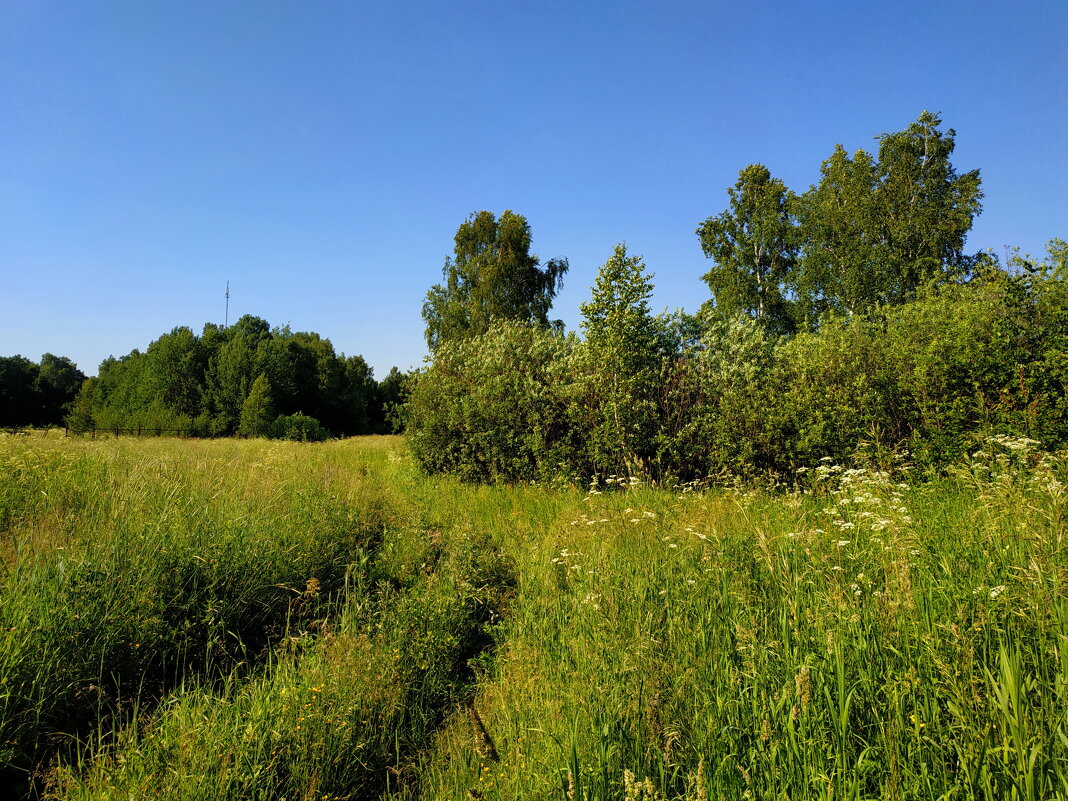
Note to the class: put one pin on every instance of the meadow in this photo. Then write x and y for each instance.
(252, 619)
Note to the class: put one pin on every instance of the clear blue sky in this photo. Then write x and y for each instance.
(320, 155)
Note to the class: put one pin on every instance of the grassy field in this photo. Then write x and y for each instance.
(265, 620)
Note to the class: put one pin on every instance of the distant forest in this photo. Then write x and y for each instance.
(37, 394)
(247, 379)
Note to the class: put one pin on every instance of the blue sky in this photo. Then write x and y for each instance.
(320, 155)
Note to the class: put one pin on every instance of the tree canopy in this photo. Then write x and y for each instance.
(493, 276)
(846, 323)
(622, 356)
(870, 233)
(249, 379)
(37, 394)
(754, 248)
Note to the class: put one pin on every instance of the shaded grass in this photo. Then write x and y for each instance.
(338, 715)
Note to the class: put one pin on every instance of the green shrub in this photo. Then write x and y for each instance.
(961, 357)
(493, 407)
(830, 391)
(299, 427)
(928, 376)
(257, 412)
(714, 402)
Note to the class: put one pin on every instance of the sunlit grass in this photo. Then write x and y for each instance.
(859, 637)
(866, 640)
(133, 565)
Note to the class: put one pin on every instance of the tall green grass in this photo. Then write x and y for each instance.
(133, 566)
(338, 714)
(858, 637)
(862, 639)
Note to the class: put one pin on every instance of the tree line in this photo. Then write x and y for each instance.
(871, 233)
(37, 394)
(248, 379)
(844, 321)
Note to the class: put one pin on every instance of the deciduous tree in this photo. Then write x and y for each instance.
(257, 412)
(622, 350)
(754, 248)
(493, 277)
(875, 229)
(840, 269)
(18, 397)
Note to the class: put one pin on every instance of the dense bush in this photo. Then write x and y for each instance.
(713, 419)
(298, 427)
(495, 406)
(927, 376)
(615, 371)
(848, 319)
(830, 390)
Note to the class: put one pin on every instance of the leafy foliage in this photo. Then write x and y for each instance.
(299, 428)
(18, 376)
(495, 407)
(233, 380)
(930, 375)
(875, 230)
(754, 247)
(37, 394)
(871, 232)
(713, 417)
(493, 277)
(393, 394)
(257, 412)
(617, 371)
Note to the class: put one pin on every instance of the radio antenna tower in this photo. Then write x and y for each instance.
(226, 320)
